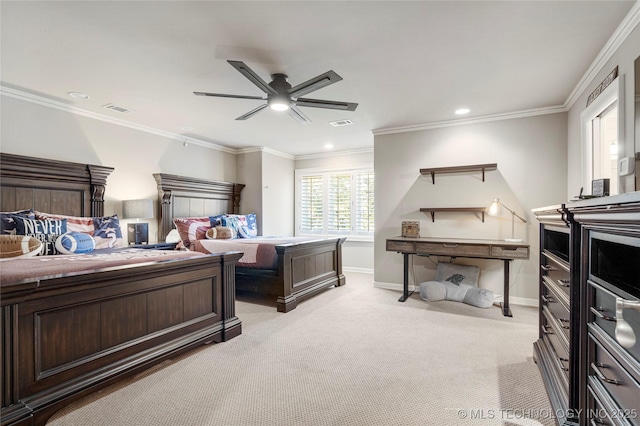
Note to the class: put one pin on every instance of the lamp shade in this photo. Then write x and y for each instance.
(494, 208)
(137, 209)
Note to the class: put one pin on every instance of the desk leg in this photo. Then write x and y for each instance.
(506, 311)
(405, 284)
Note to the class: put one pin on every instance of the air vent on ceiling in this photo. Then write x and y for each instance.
(340, 123)
(117, 108)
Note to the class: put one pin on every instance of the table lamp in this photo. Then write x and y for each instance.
(494, 210)
(137, 232)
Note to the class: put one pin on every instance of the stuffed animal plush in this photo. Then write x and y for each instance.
(457, 283)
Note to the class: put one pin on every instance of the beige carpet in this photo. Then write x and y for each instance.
(352, 355)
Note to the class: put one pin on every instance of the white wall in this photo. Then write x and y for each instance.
(624, 59)
(356, 255)
(39, 131)
(249, 173)
(278, 183)
(531, 157)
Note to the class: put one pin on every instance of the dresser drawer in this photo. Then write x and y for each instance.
(557, 273)
(401, 246)
(452, 249)
(510, 252)
(611, 375)
(557, 310)
(602, 311)
(597, 414)
(556, 342)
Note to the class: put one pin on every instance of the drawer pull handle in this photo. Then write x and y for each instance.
(596, 367)
(624, 332)
(545, 330)
(449, 245)
(562, 365)
(598, 311)
(547, 299)
(546, 268)
(563, 283)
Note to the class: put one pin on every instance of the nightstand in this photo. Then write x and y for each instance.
(155, 246)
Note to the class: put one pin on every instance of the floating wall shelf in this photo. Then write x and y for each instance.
(433, 210)
(458, 169)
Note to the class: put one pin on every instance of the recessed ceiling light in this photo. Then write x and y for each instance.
(186, 128)
(328, 146)
(462, 111)
(78, 95)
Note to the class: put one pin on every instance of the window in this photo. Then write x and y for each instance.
(605, 146)
(600, 137)
(336, 202)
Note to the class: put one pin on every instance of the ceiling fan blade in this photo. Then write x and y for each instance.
(319, 103)
(255, 78)
(295, 112)
(314, 84)
(252, 112)
(222, 95)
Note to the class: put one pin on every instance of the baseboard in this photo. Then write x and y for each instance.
(394, 286)
(522, 301)
(357, 270)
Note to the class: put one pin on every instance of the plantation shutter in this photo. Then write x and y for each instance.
(364, 202)
(311, 203)
(339, 203)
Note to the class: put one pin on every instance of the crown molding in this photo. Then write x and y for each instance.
(483, 119)
(50, 103)
(621, 33)
(265, 149)
(334, 154)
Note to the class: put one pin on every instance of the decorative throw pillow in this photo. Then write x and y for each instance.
(234, 222)
(192, 228)
(105, 230)
(457, 274)
(12, 246)
(220, 233)
(8, 223)
(250, 229)
(75, 243)
(47, 231)
(216, 220)
(173, 236)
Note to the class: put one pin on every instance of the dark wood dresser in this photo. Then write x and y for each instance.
(590, 310)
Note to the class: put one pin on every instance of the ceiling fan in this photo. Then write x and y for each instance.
(282, 97)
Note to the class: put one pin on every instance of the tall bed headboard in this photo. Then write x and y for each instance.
(52, 186)
(181, 196)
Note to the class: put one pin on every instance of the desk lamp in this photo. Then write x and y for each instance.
(137, 232)
(494, 210)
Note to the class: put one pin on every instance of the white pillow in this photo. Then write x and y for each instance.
(173, 236)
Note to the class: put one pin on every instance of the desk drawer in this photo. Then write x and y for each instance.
(510, 252)
(401, 246)
(452, 249)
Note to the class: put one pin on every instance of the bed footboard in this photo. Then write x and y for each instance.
(304, 269)
(68, 336)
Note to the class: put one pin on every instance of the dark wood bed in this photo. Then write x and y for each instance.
(65, 336)
(303, 268)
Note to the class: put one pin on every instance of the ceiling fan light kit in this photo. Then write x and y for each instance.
(282, 97)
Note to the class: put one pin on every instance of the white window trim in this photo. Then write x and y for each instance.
(310, 170)
(613, 93)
